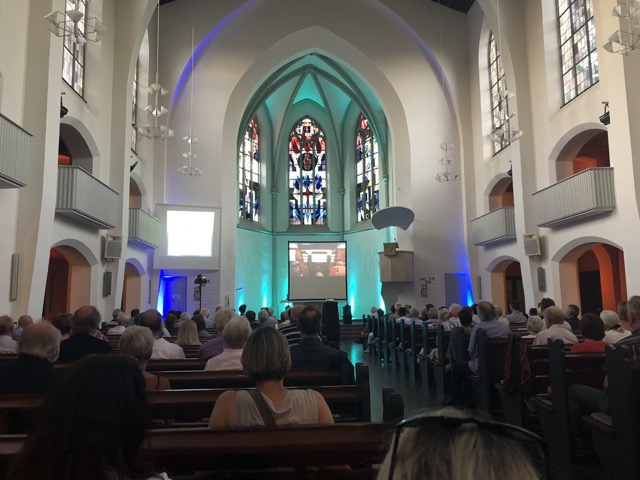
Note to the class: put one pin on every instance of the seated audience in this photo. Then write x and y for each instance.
(533, 311)
(414, 314)
(216, 345)
(62, 322)
(291, 332)
(122, 322)
(432, 316)
(188, 334)
(554, 320)
(81, 343)
(134, 317)
(449, 317)
(235, 333)
(208, 322)
(96, 422)
(402, 314)
(266, 321)
(571, 317)
(170, 324)
(137, 342)
(614, 325)
(23, 322)
(161, 348)
(310, 352)
(253, 320)
(453, 445)
(516, 317)
(501, 318)
(593, 331)
(266, 360)
(114, 320)
(535, 325)
(7, 343)
(466, 323)
(202, 328)
(33, 372)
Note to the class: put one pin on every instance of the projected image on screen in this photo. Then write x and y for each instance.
(189, 233)
(317, 270)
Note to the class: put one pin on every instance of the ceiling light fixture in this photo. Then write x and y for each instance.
(627, 39)
(191, 170)
(73, 24)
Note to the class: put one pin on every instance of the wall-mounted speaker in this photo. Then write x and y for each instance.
(106, 284)
(532, 245)
(112, 247)
(542, 280)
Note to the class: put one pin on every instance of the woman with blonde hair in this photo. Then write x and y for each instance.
(188, 334)
(451, 444)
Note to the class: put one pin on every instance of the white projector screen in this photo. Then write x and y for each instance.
(317, 270)
(190, 240)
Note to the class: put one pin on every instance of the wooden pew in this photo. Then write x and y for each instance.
(565, 369)
(490, 353)
(165, 365)
(426, 344)
(442, 339)
(617, 436)
(186, 451)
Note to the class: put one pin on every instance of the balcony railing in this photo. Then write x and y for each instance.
(576, 198)
(86, 199)
(145, 230)
(496, 226)
(14, 154)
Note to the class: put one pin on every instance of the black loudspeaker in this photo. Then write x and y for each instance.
(330, 321)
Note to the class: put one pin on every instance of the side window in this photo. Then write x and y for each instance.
(249, 173)
(367, 171)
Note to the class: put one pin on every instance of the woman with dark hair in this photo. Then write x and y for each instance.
(266, 359)
(94, 422)
(593, 330)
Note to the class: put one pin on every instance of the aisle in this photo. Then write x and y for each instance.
(416, 396)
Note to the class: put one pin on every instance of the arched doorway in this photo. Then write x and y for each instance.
(132, 288)
(593, 277)
(501, 195)
(506, 284)
(588, 149)
(68, 284)
(135, 194)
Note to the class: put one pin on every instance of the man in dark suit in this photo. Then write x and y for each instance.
(33, 372)
(81, 343)
(310, 352)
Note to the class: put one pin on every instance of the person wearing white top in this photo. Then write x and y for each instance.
(161, 348)
(235, 335)
(554, 318)
(123, 323)
(7, 344)
(613, 327)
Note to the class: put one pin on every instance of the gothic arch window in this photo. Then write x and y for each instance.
(307, 174)
(367, 168)
(579, 56)
(500, 112)
(249, 173)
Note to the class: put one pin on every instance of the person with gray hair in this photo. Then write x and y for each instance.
(535, 325)
(161, 348)
(122, 322)
(7, 343)
(33, 372)
(216, 345)
(613, 330)
(82, 342)
(137, 342)
(235, 334)
(205, 312)
(554, 319)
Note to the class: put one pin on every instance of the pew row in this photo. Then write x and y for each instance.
(222, 451)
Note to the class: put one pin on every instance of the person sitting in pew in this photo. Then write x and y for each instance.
(235, 333)
(452, 444)
(94, 422)
(516, 317)
(137, 342)
(554, 320)
(615, 327)
(266, 360)
(310, 352)
(33, 372)
(466, 323)
(82, 342)
(188, 334)
(535, 325)
(593, 331)
(585, 400)
(152, 320)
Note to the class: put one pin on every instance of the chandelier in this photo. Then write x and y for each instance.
(73, 24)
(446, 162)
(155, 131)
(190, 170)
(626, 39)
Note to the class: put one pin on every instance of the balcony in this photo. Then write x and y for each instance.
(576, 198)
(86, 199)
(14, 154)
(494, 227)
(145, 230)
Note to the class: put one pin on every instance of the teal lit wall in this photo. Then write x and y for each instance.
(253, 269)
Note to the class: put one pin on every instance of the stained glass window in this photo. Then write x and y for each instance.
(74, 48)
(307, 174)
(367, 177)
(500, 112)
(578, 53)
(249, 174)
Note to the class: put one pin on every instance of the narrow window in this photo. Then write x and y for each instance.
(367, 177)
(74, 48)
(249, 173)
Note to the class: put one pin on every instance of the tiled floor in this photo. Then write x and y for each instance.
(419, 397)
